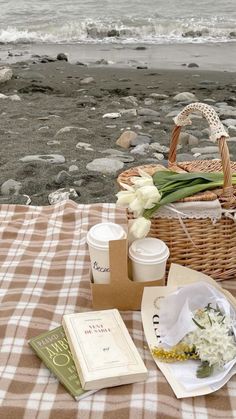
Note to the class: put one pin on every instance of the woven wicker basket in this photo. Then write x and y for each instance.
(213, 248)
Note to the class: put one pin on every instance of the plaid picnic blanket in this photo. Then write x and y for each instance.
(44, 272)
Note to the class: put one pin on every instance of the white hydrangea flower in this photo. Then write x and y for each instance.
(214, 341)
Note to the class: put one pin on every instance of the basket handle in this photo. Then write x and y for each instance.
(218, 133)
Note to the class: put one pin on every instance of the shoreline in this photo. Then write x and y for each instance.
(212, 56)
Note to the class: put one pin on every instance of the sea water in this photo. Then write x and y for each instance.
(117, 21)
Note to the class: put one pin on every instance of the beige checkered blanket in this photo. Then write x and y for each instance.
(44, 272)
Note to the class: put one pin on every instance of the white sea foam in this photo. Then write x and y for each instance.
(133, 30)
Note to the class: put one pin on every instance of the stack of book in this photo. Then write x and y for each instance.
(90, 351)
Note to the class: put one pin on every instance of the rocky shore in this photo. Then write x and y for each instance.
(69, 129)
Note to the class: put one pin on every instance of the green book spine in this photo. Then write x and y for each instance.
(53, 349)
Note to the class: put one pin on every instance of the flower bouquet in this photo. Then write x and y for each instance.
(190, 326)
(148, 193)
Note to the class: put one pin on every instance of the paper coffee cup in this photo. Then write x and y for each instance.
(98, 239)
(148, 259)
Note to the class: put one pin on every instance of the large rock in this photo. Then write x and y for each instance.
(105, 165)
(10, 187)
(185, 97)
(62, 57)
(125, 139)
(5, 74)
(46, 158)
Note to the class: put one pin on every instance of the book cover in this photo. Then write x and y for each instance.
(53, 349)
(103, 351)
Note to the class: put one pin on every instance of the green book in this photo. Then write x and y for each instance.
(53, 349)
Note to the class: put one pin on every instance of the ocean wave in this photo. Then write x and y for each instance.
(149, 30)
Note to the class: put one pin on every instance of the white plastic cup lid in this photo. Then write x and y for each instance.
(148, 250)
(100, 234)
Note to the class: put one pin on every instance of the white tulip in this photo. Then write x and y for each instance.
(136, 206)
(124, 198)
(143, 180)
(148, 195)
(140, 228)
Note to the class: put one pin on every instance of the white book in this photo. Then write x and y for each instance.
(103, 351)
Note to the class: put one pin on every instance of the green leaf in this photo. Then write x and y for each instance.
(180, 194)
(198, 324)
(204, 370)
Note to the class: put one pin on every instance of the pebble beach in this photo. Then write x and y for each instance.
(70, 123)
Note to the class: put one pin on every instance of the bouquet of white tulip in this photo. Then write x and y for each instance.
(148, 193)
(141, 196)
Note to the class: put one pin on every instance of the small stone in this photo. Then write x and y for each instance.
(147, 112)
(158, 96)
(101, 62)
(124, 158)
(211, 149)
(125, 139)
(140, 139)
(105, 165)
(53, 142)
(62, 194)
(130, 100)
(142, 67)
(46, 158)
(113, 33)
(11, 187)
(192, 65)
(70, 132)
(15, 199)
(86, 101)
(159, 156)
(15, 97)
(87, 80)
(62, 57)
(227, 113)
(112, 115)
(230, 122)
(128, 112)
(73, 168)
(5, 74)
(185, 157)
(44, 129)
(149, 102)
(160, 148)
(62, 177)
(80, 63)
(187, 139)
(185, 97)
(140, 149)
(85, 146)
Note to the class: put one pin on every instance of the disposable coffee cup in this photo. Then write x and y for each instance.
(98, 239)
(148, 259)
